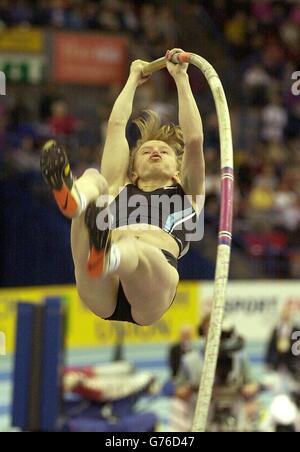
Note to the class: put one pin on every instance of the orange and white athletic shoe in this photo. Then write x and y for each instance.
(98, 221)
(57, 174)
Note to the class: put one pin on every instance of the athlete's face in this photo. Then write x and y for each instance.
(156, 159)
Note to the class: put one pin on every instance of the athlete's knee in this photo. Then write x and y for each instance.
(98, 179)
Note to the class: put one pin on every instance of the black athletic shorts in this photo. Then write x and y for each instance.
(122, 312)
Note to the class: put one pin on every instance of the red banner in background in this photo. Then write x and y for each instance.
(89, 59)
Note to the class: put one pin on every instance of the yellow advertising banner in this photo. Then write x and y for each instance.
(84, 329)
(21, 39)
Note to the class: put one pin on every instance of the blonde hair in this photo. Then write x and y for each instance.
(150, 128)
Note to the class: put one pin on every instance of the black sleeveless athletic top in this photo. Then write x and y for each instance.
(169, 208)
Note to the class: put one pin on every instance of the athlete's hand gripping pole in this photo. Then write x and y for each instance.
(157, 65)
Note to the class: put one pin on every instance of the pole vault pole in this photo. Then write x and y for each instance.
(225, 229)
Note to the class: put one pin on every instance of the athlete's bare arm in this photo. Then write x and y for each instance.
(115, 160)
(193, 165)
